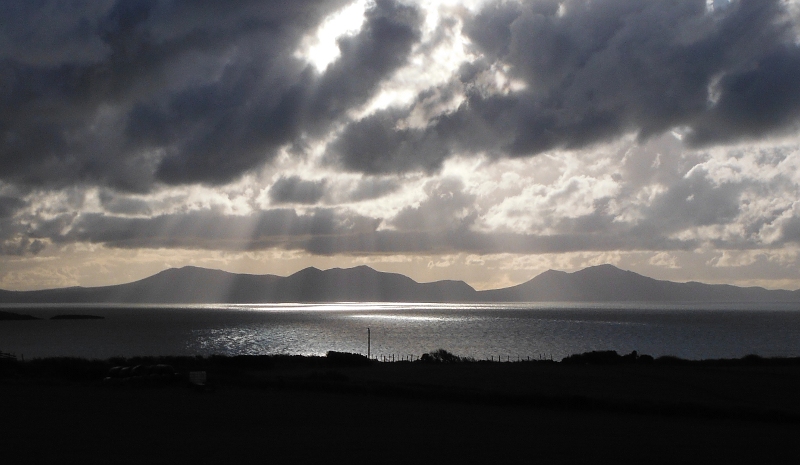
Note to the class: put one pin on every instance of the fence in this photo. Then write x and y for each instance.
(389, 358)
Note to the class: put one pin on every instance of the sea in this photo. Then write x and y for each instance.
(403, 331)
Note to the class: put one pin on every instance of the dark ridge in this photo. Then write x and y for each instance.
(200, 285)
(454, 380)
(607, 283)
(604, 283)
(76, 317)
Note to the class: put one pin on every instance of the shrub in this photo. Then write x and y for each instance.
(443, 356)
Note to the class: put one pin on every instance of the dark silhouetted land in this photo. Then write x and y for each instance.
(363, 284)
(591, 408)
(76, 317)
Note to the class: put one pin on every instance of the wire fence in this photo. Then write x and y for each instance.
(390, 358)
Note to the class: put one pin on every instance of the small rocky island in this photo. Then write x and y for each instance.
(10, 316)
(15, 316)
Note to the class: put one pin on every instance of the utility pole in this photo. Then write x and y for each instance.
(368, 343)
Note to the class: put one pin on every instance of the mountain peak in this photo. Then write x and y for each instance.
(604, 268)
(553, 272)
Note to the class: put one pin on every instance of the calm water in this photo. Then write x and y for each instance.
(481, 331)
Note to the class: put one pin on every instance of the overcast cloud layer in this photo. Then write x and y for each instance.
(484, 141)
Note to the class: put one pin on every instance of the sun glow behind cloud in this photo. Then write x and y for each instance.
(320, 48)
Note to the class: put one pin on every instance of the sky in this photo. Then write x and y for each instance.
(479, 140)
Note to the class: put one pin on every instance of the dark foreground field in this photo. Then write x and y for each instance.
(312, 410)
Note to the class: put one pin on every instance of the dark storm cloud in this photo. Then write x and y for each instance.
(596, 70)
(132, 92)
(755, 101)
(375, 145)
(296, 190)
(66, 35)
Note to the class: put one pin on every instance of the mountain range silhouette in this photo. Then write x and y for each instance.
(603, 283)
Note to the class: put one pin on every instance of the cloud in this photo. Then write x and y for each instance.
(293, 189)
(693, 202)
(204, 229)
(439, 224)
(571, 74)
(375, 145)
(370, 188)
(137, 92)
(447, 208)
(467, 241)
(10, 205)
(20, 246)
(14, 232)
(627, 196)
(123, 205)
(130, 94)
(664, 259)
(52, 33)
(381, 47)
(754, 102)
(790, 230)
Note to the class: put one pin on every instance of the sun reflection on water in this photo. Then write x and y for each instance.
(404, 317)
(353, 306)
